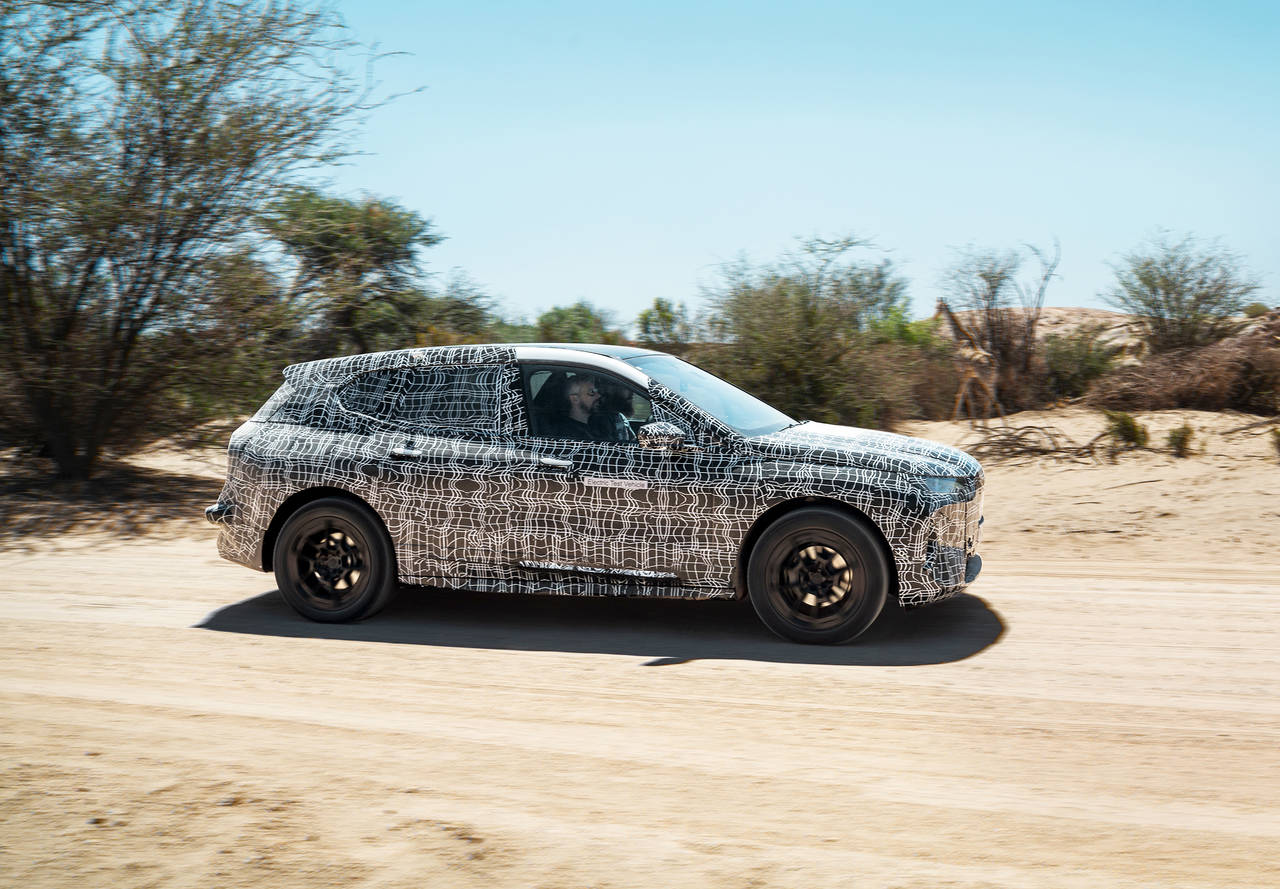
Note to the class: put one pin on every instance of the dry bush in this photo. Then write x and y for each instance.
(1242, 373)
(1024, 387)
(934, 384)
(881, 384)
(993, 443)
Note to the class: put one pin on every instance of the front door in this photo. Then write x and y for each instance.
(601, 514)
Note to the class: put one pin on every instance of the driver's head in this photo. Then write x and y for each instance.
(583, 397)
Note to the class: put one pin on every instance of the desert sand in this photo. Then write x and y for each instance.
(1102, 709)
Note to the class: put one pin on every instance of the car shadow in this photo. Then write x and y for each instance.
(666, 631)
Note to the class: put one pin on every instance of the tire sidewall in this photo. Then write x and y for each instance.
(830, 527)
(373, 541)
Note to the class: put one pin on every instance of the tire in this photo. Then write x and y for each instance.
(818, 576)
(334, 562)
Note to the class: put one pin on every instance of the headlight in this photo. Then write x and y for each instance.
(942, 484)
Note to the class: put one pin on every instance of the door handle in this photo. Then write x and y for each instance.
(556, 463)
(406, 453)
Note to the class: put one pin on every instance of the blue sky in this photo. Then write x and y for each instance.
(618, 153)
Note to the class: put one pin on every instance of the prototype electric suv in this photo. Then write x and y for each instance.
(586, 470)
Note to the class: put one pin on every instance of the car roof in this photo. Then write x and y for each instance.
(619, 352)
(342, 367)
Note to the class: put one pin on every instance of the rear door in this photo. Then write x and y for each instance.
(438, 465)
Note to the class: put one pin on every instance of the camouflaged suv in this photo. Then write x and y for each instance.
(586, 470)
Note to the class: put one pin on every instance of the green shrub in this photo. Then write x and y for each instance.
(1074, 360)
(1179, 440)
(1256, 310)
(1186, 293)
(895, 327)
(818, 335)
(1125, 430)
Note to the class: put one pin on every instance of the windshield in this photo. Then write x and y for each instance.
(745, 413)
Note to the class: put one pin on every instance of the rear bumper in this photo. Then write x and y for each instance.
(220, 513)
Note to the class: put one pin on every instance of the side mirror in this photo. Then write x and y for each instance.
(661, 436)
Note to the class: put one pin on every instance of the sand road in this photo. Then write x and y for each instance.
(1102, 711)
(168, 722)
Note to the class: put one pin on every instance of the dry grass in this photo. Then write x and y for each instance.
(1241, 373)
(122, 498)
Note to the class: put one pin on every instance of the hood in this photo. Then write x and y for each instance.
(867, 448)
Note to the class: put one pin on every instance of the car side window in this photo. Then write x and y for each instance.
(371, 394)
(302, 405)
(584, 405)
(461, 397)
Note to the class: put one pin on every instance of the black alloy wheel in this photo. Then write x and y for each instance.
(818, 575)
(334, 562)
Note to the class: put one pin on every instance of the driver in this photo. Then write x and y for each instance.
(581, 398)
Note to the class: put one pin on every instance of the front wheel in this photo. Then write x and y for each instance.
(818, 576)
(334, 562)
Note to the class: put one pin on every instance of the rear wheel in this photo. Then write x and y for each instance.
(334, 562)
(818, 576)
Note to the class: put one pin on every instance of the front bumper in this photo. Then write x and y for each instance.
(950, 559)
(972, 568)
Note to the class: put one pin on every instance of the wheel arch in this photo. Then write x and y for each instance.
(776, 512)
(301, 499)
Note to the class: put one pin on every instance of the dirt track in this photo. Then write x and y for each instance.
(166, 721)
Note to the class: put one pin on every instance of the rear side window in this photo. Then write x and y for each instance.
(273, 403)
(371, 394)
(461, 397)
(292, 403)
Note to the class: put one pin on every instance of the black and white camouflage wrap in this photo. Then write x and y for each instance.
(472, 500)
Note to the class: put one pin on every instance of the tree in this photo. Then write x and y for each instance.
(1184, 293)
(578, 323)
(249, 331)
(138, 140)
(666, 327)
(1005, 312)
(460, 313)
(796, 333)
(355, 267)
